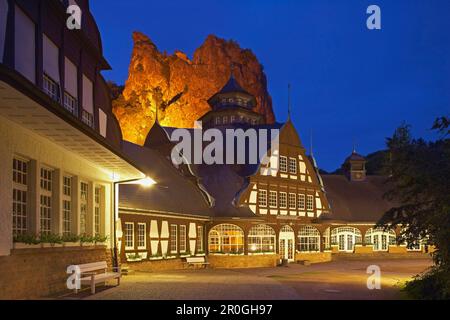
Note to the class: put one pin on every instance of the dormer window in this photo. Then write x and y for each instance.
(50, 83)
(71, 87)
(232, 119)
(225, 120)
(217, 121)
(70, 103)
(87, 116)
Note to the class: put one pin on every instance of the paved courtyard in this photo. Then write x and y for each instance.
(334, 280)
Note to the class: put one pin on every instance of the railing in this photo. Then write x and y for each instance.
(70, 104)
(87, 118)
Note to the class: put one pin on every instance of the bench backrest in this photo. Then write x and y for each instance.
(195, 259)
(94, 266)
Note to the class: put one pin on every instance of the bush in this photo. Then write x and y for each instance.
(432, 285)
(70, 238)
(26, 238)
(51, 238)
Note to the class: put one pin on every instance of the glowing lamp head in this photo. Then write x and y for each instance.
(253, 247)
(147, 182)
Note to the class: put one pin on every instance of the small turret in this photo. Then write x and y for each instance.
(355, 167)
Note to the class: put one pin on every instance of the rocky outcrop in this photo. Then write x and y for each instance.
(180, 87)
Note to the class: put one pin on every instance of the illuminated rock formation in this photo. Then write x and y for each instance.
(180, 86)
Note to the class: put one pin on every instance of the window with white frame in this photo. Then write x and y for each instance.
(83, 206)
(67, 205)
(182, 238)
(87, 116)
(46, 200)
(301, 202)
(20, 195)
(308, 239)
(261, 239)
(173, 238)
(50, 87)
(262, 198)
(292, 201)
(283, 200)
(97, 209)
(380, 239)
(225, 120)
(232, 119)
(273, 199)
(310, 202)
(70, 103)
(283, 164)
(129, 236)
(292, 166)
(226, 238)
(141, 231)
(199, 242)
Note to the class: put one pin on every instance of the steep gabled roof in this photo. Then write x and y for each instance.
(173, 193)
(356, 201)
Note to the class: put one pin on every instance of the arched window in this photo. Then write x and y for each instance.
(226, 238)
(261, 239)
(346, 238)
(308, 239)
(380, 239)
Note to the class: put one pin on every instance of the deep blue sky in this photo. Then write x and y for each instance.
(349, 83)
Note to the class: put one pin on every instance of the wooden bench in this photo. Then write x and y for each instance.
(199, 261)
(97, 272)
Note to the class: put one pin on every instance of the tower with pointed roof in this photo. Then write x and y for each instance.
(232, 105)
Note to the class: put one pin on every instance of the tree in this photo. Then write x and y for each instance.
(419, 182)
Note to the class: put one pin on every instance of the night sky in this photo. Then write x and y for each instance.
(349, 83)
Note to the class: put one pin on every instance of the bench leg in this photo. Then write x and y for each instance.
(118, 281)
(92, 286)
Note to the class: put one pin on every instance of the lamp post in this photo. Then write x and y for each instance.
(145, 182)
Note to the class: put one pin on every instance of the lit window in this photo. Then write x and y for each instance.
(226, 238)
(292, 201)
(262, 198)
(225, 120)
(273, 199)
(308, 239)
(46, 200)
(173, 238)
(346, 238)
(261, 239)
(67, 205)
(232, 119)
(301, 202)
(83, 206)
(283, 200)
(97, 211)
(20, 192)
(292, 166)
(380, 239)
(283, 164)
(310, 203)
(217, 120)
(142, 244)
(199, 243)
(129, 236)
(182, 238)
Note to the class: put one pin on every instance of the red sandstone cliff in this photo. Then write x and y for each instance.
(181, 87)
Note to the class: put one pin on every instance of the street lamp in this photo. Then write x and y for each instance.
(146, 182)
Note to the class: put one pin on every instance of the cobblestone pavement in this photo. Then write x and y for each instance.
(334, 280)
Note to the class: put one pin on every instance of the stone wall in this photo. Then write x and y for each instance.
(252, 261)
(41, 272)
(314, 257)
(156, 265)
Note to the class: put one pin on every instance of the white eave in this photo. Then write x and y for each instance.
(26, 112)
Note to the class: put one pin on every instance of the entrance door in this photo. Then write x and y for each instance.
(346, 242)
(287, 243)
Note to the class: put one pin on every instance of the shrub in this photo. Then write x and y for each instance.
(26, 238)
(432, 285)
(51, 238)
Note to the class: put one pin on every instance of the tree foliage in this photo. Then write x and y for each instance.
(419, 182)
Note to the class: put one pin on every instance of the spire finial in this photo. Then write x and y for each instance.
(354, 145)
(232, 69)
(289, 101)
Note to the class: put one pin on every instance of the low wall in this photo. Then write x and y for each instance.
(313, 257)
(40, 272)
(156, 265)
(236, 261)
